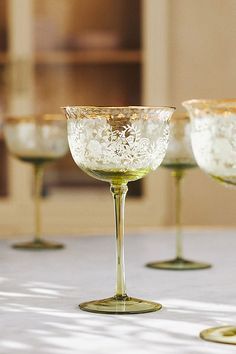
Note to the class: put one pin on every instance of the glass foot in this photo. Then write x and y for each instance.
(223, 334)
(120, 305)
(38, 245)
(178, 264)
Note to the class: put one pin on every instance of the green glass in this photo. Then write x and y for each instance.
(118, 145)
(213, 142)
(222, 334)
(37, 140)
(179, 158)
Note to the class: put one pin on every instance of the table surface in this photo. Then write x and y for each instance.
(40, 291)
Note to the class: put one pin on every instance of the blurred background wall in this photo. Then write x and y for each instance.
(153, 52)
(202, 56)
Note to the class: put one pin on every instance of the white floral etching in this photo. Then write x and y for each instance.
(128, 144)
(36, 138)
(214, 146)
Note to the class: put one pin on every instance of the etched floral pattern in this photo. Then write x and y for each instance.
(36, 138)
(121, 140)
(214, 145)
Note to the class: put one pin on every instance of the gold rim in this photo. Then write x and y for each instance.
(210, 100)
(215, 105)
(91, 112)
(119, 107)
(40, 118)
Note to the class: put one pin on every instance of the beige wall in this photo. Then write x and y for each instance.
(202, 54)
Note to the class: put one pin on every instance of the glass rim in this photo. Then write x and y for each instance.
(215, 105)
(118, 107)
(46, 117)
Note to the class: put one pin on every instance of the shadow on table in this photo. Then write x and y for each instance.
(40, 318)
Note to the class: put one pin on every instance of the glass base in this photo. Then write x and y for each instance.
(38, 245)
(178, 264)
(120, 305)
(223, 334)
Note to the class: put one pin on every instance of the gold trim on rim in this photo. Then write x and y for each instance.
(119, 107)
(125, 113)
(218, 106)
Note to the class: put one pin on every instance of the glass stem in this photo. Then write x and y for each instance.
(38, 179)
(119, 194)
(178, 175)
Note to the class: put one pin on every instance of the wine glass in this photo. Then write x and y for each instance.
(214, 145)
(118, 145)
(178, 159)
(37, 140)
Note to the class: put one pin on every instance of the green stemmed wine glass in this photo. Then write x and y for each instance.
(118, 145)
(38, 140)
(214, 146)
(178, 159)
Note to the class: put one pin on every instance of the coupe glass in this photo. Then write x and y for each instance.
(37, 140)
(214, 146)
(178, 159)
(118, 145)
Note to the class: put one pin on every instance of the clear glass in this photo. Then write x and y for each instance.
(38, 140)
(178, 159)
(214, 147)
(118, 145)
